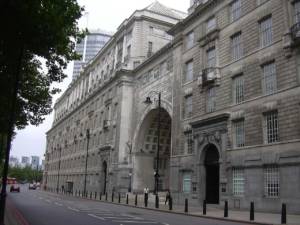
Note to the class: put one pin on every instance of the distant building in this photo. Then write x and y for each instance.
(13, 161)
(35, 162)
(25, 161)
(88, 48)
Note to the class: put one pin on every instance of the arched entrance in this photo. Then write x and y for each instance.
(212, 171)
(104, 177)
(145, 152)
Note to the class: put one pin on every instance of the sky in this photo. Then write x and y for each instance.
(105, 15)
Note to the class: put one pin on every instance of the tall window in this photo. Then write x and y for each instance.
(190, 40)
(272, 181)
(271, 127)
(211, 24)
(186, 183)
(239, 133)
(150, 48)
(265, 32)
(189, 142)
(236, 10)
(236, 46)
(238, 89)
(211, 57)
(269, 81)
(211, 99)
(188, 106)
(188, 71)
(238, 182)
(297, 11)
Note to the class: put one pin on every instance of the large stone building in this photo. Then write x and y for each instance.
(229, 116)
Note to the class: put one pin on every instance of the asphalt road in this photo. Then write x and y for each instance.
(33, 207)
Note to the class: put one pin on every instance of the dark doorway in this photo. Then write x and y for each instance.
(104, 176)
(212, 174)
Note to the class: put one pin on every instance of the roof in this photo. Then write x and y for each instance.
(159, 8)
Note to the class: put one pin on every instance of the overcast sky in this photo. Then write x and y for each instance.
(106, 15)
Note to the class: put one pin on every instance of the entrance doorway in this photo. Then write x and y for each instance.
(104, 177)
(212, 170)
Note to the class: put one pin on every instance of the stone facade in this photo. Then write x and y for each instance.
(229, 85)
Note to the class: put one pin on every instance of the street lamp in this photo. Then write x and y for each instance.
(156, 174)
(57, 186)
(86, 159)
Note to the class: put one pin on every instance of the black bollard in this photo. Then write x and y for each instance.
(119, 198)
(170, 203)
(146, 200)
(112, 196)
(251, 211)
(204, 207)
(90, 195)
(283, 213)
(127, 199)
(156, 201)
(186, 209)
(135, 201)
(95, 194)
(226, 209)
(106, 196)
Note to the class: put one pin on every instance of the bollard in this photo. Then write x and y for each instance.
(112, 196)
(95, 194)
(251, 211)
(186, 205)
(170, 203)
(156, 201)
(204, 207)
(79, 193)
(100, 196)
(106, 196)
(226, 209)
(127, 199)
(135, 201)
(90, 195)
(283, 213)
(119, 198)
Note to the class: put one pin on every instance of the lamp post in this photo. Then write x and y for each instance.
(57, 186)
(86, 158)
(156, 174)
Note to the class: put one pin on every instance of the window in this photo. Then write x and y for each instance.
(211, 99)
(236, 46)
(269, 81)
(238, 89)
(190, 40)
(297, 11)
(156, 72)
(186, 183)
(211, 24)
(188, 106)
(211, 57)
(188, 71)
(271, 127)
(238, 182)
(265, 31)
(236, 10)
(239, 133)
(136, 64)
(271, 180)
(150, 48)
(189, 143)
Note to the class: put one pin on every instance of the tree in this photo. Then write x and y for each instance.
(32, 32)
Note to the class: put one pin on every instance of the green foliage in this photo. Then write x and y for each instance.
(25, 174)
(37, 41)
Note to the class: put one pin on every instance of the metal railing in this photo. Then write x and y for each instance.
(295, 31)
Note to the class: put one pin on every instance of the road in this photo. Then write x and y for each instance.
(33, 207)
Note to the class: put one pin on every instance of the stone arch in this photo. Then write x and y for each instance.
(145, 149)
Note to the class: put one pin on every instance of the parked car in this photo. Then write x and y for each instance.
(32, 186)
(15, 187)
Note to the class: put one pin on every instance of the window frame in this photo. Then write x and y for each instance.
(188, 106)
(265, 31)
(190, 39)
(209, 27)
(271, 133)
(186, 180)
(239, 133)
(271, 181)
(235, 10)
(236, 42)
(211, 99)
(188, 72)
(238, 89)
(238, 182)
(269, 78)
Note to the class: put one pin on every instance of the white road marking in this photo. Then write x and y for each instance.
(97, 217)
(56, 203)
(76, 210)
(132, 221)
(165, 224)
